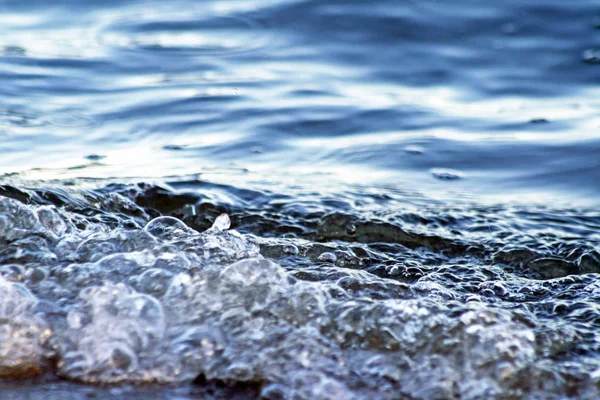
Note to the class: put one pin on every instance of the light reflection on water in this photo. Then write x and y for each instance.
(334, 87)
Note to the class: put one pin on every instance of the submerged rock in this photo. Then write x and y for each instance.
(550, 268)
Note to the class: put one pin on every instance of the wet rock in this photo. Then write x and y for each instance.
(589, 263)
(550, 268)
(515, 256)
(231, 389)
(340, 226)
(17, 194)
(160, 199)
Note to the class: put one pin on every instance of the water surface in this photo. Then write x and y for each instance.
(410, 191)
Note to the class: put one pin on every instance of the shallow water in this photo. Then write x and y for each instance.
(300, 199)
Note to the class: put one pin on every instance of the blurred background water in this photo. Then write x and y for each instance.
(424, 173)
(476, 97)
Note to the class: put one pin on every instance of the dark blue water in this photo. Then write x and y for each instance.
(425, 175)
(502, 94)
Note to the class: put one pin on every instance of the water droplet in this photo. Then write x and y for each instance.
(222, 223)
(168, 228)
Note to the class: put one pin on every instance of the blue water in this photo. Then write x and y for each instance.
(411, 188)
(504, 94)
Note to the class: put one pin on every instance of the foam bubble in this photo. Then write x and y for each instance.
(111, 336)
(112, 301)
(23, 335)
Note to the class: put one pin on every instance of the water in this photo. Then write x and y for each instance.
(300, 199)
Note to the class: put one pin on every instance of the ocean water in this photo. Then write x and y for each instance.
(300, 199)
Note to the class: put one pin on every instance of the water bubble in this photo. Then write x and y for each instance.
(74, 319)
(327, 257)
(122, 358)
(276, 392)
(22, 334)
(253, 272)
(154, 281)
(239, 371)
(12, 272)
(36, 275)
(290, 249)
(51, 219)
(137, 325)
(165, 303)
(168, 228)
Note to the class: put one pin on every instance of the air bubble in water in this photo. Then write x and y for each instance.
(168, 228)
(22, 333)
(119, 326)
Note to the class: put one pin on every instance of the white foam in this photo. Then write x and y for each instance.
(165, 303)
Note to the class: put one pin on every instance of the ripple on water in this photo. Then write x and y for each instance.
(194, 32)
(14, 51)
(20, 120)
(17, 119)
(70, 120)
(444, 174)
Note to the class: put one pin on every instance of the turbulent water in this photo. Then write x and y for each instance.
(308, 298)
(300, 199)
